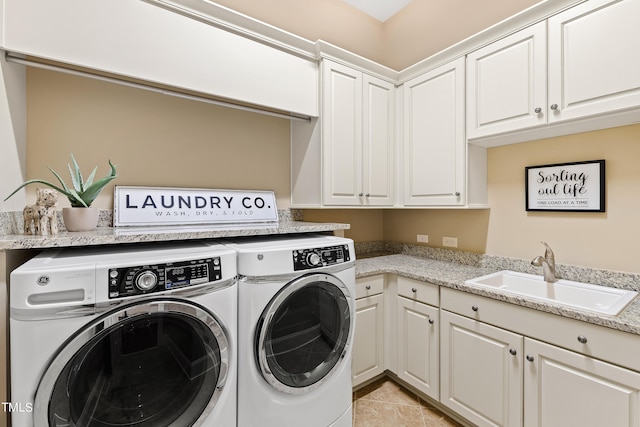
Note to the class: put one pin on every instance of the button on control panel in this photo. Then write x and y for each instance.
(305, 259)
(144, 279)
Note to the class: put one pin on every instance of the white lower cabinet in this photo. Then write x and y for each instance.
(481, 371)
(497, 370)
(418, 346)
(563, 388)
(368, 351)
(495, 363)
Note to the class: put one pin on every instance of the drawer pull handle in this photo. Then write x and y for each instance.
(414, 290)
(431, 321)
(530, 358)
(368, 287)
(582, 339)
(474, 307)
(513, 351)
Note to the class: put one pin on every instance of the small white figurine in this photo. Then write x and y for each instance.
(41, 218)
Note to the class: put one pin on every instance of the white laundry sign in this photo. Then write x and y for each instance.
(141, 206)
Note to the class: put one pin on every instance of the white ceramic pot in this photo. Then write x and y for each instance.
(80, 219)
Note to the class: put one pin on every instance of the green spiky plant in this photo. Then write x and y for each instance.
(82, 193)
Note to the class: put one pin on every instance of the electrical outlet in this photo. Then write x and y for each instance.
(451, 242)
(423, 238)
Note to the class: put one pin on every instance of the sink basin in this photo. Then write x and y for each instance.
(598, 299)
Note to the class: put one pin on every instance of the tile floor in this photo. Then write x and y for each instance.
(384, 403)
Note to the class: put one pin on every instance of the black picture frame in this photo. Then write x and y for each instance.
(565, 187)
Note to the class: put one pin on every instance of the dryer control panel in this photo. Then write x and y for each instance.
(144, 279)
(306, 259)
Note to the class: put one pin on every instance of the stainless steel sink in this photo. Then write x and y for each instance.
(598, 299)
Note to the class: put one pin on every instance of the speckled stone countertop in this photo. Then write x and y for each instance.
(451, 273)
(111, 235)
(11, 227)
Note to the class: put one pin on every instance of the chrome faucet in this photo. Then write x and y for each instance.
(548, 264)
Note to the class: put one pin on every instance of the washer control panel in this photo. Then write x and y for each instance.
(143, 279)
(305, 259)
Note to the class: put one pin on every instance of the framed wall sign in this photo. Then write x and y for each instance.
(143, 206)
(568, 187)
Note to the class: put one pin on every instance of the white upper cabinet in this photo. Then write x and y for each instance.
(594, 60)
(574, 72)
(507, 83)
(140, 40)
(434, 141)
(357, 137)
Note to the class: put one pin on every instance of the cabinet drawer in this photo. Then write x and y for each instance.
(582, 337)
(368, 286)
(427, 293)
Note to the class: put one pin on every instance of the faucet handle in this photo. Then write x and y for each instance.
(548, 253)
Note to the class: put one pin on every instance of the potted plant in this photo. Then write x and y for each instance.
(81, 194)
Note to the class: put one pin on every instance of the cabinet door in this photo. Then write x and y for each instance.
(507, 83)
(481, 371)
(434, 141)
(368, 346)
(593, 59)
(563, 388)
(341, 134)
(378, 137)
(418, 346)
(141, 40)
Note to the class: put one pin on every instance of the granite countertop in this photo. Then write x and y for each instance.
(453, 275)
(111, 235)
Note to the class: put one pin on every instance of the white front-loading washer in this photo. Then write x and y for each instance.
(295, 331)
(138, 336)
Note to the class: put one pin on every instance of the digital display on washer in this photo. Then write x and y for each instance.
(144, 279)
(305, 259)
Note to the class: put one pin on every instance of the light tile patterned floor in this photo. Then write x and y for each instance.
(384, 403)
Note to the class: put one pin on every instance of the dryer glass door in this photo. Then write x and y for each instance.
(304, 333)
(156, 363)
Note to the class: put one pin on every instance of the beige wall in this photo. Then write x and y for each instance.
(604, 240)
(367, 225)
(601, 240)
(425, 27)
(149, 135)
(422, 28)
(333, 21)
(154, 139)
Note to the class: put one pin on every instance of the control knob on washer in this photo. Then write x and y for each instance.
(146, 281)
(313, 259)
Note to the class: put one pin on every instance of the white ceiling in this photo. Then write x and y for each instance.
(379, 9)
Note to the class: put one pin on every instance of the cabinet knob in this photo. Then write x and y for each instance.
(414, 290)
(431, 321)
(554, 107)
(582, 339)
(538, 110)
(513, 351)
(368, 195)
(457, 194)
(474, 307)
(368, 287)
(360, 194)
(530, 358)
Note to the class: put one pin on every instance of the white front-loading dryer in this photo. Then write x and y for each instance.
(295, 331)
(139, 336)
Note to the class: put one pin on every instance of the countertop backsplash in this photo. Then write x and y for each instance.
(615, 279)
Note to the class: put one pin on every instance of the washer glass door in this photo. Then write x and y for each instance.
(304, 333)
(155, 363)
